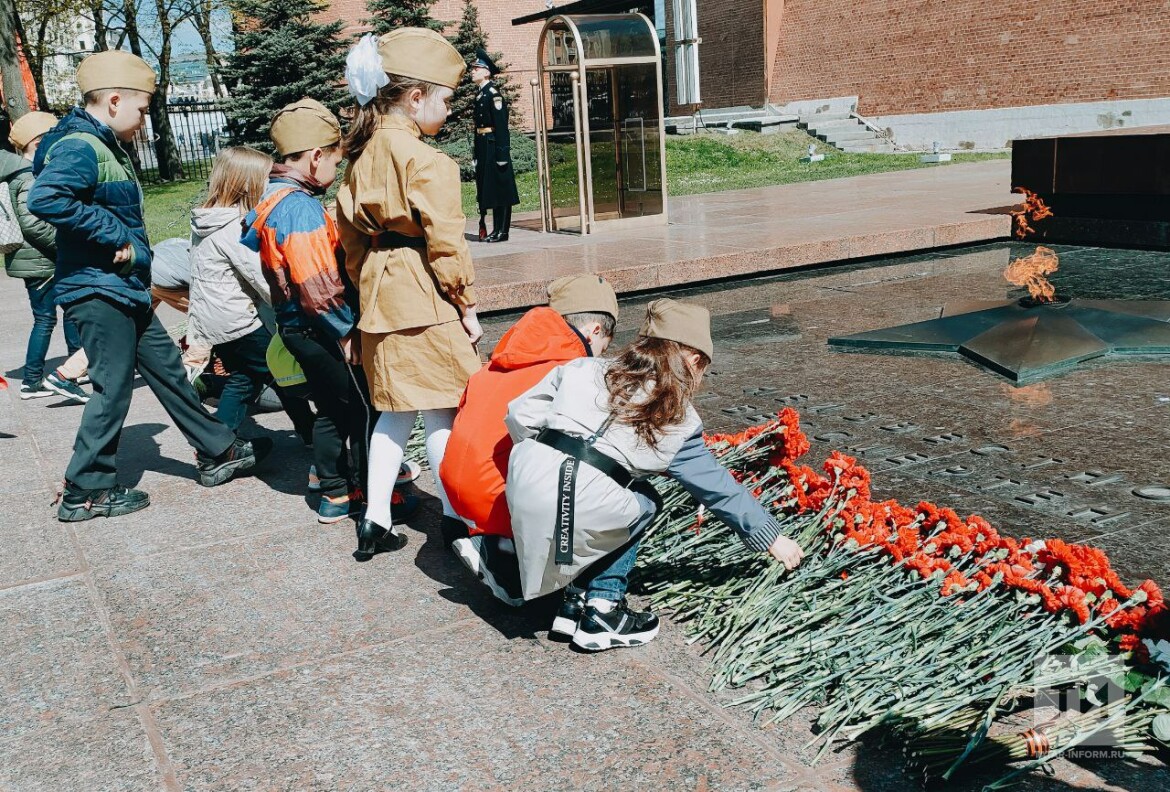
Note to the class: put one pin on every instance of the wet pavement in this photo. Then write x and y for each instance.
(221, 639)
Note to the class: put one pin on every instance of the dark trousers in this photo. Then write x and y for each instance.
(342, 398)
(246, 359)
(41, 296)
(119, 340)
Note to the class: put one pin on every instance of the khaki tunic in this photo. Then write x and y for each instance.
(414, 350)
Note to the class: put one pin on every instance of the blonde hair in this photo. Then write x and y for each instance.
(390, 99)
(238, 178)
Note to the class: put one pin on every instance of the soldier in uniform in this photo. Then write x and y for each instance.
(495, 181)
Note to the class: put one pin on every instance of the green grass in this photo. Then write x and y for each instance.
(694, 164)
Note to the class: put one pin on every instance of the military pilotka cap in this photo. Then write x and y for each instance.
(115, 69)
(685, 323)
(29, 127)
(421, 54)
(582, 294)
(304, 125)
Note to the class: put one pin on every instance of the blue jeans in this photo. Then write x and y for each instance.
(608, 578)
(41, 296)
(246, 360)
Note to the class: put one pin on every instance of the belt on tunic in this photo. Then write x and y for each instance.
(484, 130)
(577, 450)
(393, 239)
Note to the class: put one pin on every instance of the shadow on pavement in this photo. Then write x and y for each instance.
(138, 452)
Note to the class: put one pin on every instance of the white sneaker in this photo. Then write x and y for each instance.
(407, 473)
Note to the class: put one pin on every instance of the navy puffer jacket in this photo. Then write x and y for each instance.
(86, 188)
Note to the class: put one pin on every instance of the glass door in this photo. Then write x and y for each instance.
(562, 171)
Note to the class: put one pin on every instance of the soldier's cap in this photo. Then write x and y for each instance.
(29, 127)
(582, 294)
(115, 69)
(304, 125)
(421, 54)
(485, 60)
(685, 323)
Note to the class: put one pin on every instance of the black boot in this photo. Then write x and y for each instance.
(499, 225)
(79, 504)
(373, 539)
(507, 224)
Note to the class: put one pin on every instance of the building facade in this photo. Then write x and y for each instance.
(969, 74)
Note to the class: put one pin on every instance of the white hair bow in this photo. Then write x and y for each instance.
(363, 70)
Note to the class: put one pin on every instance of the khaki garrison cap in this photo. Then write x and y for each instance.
(685, 323)
(421, 54)
(115, 69)
(304, 125)
(29, 127)
(582, 294)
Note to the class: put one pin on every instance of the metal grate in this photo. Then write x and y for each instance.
(200, 131)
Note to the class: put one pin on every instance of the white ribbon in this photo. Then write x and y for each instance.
(363, 70)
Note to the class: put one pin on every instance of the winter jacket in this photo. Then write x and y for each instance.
(87, 189)
(573, 399)
(35, 259)
(299, 249)
(226, 280)
(476, 458)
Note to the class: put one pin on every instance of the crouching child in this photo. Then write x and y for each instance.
(588, 437)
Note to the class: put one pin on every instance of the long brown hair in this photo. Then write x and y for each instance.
(651, 384)
(389, 99)
(238, 178)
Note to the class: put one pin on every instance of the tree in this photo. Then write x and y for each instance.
(45, 27)
(15, 100)
(201, 14)
(282, 54)
(387, 15)
(469, 39)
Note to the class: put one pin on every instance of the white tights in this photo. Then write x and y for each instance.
(387, 446)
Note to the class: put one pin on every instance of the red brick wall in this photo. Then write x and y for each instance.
(518, 44)
(731, 57)
(921, 56)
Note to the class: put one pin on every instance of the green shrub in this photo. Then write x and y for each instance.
(459, 149)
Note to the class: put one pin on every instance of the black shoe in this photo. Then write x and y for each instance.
(495, 236)
(493, 560)
(620, 627)
(568, 615)
(240, 457)
(452, 528)
(373, 539)
(79, 504)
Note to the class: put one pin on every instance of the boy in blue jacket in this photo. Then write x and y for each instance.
(87, 189)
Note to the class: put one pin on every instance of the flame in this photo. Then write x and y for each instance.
(1033, 210)
(1030, 271)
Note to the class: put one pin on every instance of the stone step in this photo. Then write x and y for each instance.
(876, 146)
(845, 135)
(836, 123)
(822, 118)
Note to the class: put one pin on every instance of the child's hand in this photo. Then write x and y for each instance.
(123, 254)
(471, 325)
(787, 552)
(351, 348)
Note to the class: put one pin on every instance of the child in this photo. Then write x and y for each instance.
(227, 284)
(34, 264)
(314, 303)
(87, 188)
(401, 221)
(578, 322)
(587, 438)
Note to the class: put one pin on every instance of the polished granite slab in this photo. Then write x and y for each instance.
(223, 640)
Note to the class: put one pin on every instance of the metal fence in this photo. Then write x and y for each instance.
(200, 131)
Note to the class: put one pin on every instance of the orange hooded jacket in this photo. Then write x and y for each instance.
(476, 460)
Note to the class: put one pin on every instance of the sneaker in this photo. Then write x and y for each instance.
(619, 627)
(83, 379)
(403, 507)
(493, 560)
(407, 473)
(240, 457)
(314, 481)
(65, 387)
(568, 615)
(38, 391)
(79, 504)
(333, 509)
